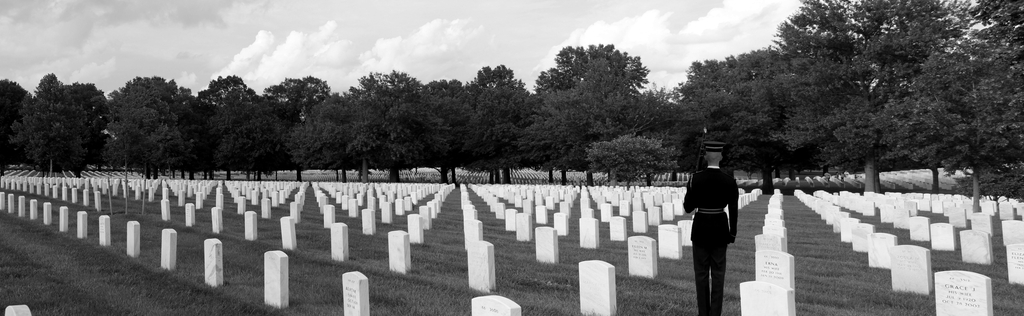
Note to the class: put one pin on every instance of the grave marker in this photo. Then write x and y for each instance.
(670, 241)
(251, 231)
(959, 293)
(275, 278)
(597, 288)
(975, 247)
(357, 293)
(911, 269)
(775, 267)
(83, 224)
(920, 228)
(494, 305)
(288, 238)
(104, 230)
(214, 262)
(764, 298)
(339, 242)
(168, 249)
(878, 254)
(590, 237)
(481, 266)
(643, 256)
(943, 237)
(134, 234)
(546, 244)
(1015, 263)
(399, 257)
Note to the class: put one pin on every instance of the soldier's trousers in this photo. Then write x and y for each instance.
(709, 265)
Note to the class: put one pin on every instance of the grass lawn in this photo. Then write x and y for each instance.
(56, 274)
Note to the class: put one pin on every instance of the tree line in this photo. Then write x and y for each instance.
(854, 85)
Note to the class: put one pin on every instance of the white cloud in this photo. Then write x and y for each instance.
(437, 49)
(187, 79)
(738, 26)
(93, 71)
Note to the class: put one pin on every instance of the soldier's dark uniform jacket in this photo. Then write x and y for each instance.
(712, 193)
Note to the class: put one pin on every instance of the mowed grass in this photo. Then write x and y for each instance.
(56, 274)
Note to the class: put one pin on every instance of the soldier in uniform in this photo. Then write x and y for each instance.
(713, 195)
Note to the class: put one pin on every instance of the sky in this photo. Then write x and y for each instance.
(109, 42)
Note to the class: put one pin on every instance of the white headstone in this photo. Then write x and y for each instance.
(547, 244)
(275, 278)
(369, 222)
(190, 215)
(104, 230)
(764, 298)
(415, 225)
(920, 229)
(524, 227)
(399, 257)
(911, 269)
(83, 224)
(494, 305)
(63, 219)
(670, 241)
(640, 222)
(481, 266)
(168, 248)
(878, 254)
(339, 242)
(590, 237)
(357, 293)
(959, 293)
(1013, 232)
(597, 288)
(775, 267)
(643, 256)
(216, 219)
(562, 224)
(975, 247)
(943, 237)
(1015, 263)
(770, 242)
(617, 228)
(862, 237)
(288, 238)
(251, 231)
(214, 262)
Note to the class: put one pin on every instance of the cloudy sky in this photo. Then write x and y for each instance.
(109, 42)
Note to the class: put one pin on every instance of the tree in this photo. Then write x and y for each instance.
(292, 101)
(94, 103)
(321, 140)
(11, 97)
(389, 122)
(144, 125)
(857, 57)
(627, 157)
(244, 125)
(592, 94)
(967, 111)
(1002, 26)
(743, 100)
(448, 102)
(502, 108)
(51, 130)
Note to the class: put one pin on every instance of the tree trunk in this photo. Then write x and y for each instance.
(490, 176)
(259, 176)
(444, 174)
(767, 185)
(364, 171)
(344, 175)
(454, 180)
(506, 175)
(792, 174)
(590, 178)
(336, 176)
(563, 177)
(248, 175)
(551, 176)
(229, 174)
(191, 175)
(393, 175)
(145, 171)
(298, 174)
(824, 169)
(778, 173)
(935, 180)
(674, 177)
(611, 177)
(976, 183)
(870, 181)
